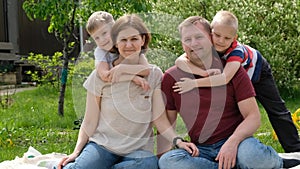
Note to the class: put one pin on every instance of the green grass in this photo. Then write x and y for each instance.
(32, 120)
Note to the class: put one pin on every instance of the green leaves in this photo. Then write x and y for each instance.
(49, 68)
(272, 27)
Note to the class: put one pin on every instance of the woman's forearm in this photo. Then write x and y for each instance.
(81, 141)
(90, 121)
(161, 120)
(92, 114)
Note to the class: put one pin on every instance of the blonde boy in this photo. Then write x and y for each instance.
(224, 37)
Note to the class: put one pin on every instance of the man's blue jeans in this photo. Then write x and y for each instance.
(94, 156)
(251, 154)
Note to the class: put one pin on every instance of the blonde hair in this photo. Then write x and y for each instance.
(226, 18)
(98, 19)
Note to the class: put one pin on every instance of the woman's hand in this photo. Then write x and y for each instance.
(64, 161)
(189, 147)
(185, 85)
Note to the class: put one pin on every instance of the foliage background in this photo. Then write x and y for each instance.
(272, 27)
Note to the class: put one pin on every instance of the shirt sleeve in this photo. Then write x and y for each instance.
(235, 55)
(242, 85)
(156, 76)
(166, 86)
(94, 84)
(100, 55)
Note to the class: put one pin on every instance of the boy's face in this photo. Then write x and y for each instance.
(102, 37)
(223, 36)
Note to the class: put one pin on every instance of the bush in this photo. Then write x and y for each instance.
(48, 68)
(271, 27)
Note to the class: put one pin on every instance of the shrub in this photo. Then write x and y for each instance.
(271, 27)
(48, 68)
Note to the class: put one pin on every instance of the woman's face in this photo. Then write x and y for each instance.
(129, 42)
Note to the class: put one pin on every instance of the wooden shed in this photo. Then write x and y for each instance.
(19, 36)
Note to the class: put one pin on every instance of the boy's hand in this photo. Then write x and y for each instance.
(105, 76)
(141, 82)
(115, 73)
(103, 71)
(212, 72)
(184, 85)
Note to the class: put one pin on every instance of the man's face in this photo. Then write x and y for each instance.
(102, 37)
(196, 43)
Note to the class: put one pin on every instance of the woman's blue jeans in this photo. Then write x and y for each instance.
(95, 156)
(251, 154)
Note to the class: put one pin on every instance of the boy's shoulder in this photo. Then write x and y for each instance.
(100, 51)
(101, 54)
(239, 46)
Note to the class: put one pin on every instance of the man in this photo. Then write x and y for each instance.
(220, 120)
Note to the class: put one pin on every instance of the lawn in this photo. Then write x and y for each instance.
(32, 120)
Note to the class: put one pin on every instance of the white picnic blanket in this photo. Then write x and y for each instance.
(33, 159)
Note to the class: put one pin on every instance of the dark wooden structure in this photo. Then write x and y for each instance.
(19, 36)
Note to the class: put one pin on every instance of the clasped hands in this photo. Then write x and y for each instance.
(116, 73)
(187, 84)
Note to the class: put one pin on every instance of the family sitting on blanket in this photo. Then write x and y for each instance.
(117, 128)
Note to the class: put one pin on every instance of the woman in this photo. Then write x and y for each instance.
(120, 135)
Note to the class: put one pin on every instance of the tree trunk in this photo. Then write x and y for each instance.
(64, 76)
(61, 99)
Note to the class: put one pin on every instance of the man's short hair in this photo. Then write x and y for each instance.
(192, 20)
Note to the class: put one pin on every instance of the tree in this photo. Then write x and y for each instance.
(65, 16)
(62, 22)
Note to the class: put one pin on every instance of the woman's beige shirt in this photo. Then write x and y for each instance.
(125, 115)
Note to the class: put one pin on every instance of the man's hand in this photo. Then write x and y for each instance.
(227, 155)
(185, 85)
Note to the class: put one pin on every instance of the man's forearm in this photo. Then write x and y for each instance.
(251, 122)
